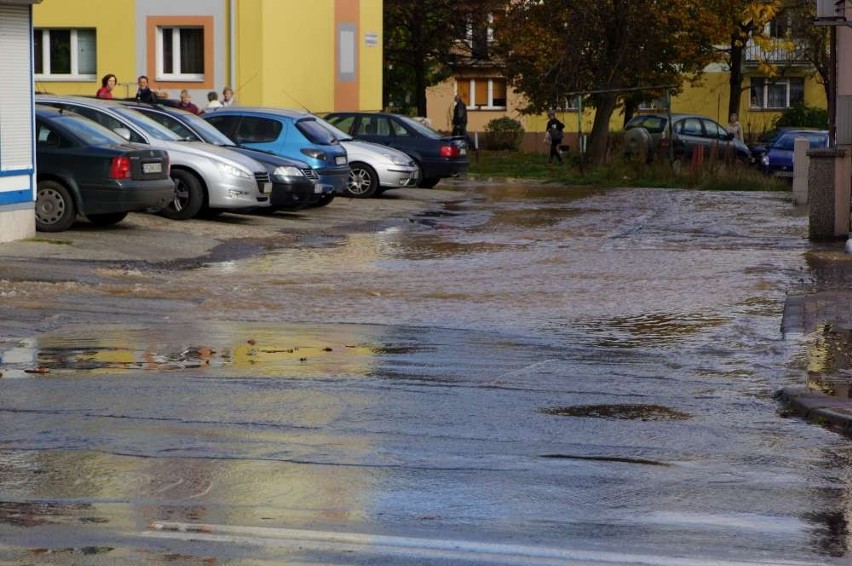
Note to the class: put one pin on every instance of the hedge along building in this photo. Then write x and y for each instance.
(321, 55)
(17, 159)
(484, 89)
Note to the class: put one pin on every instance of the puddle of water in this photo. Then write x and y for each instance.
(630, 412)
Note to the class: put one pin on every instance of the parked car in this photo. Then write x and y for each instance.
(778, 159)
(759, 149)
(85, 169)
(374, 168)
(437, 156)
(650, 135)
(294, 183)
(288, 133)
(208, 179)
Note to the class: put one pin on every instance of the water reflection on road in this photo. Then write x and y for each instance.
(537, 367)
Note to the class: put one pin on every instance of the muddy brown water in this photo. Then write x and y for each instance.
(507, 372)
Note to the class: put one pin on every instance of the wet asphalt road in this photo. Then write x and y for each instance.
(525, 374)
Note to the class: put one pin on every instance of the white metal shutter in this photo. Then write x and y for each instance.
(16, 113)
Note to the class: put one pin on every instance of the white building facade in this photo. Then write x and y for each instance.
(17, 151)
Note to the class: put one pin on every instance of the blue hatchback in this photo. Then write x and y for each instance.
(778, 160)
(289, 133)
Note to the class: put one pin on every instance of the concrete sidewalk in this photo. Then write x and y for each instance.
(830, 402)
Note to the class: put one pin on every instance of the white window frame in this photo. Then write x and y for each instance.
(472, 103)
(176, 62)
(75, 74)
(765, 93)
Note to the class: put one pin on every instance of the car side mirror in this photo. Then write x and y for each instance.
(123, 132)
(729, 136)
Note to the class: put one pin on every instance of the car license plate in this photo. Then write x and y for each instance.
(340, 160)
(463, 151)
(149, 168)
(266, 188)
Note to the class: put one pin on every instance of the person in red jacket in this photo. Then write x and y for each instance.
(107, 84)
(186, 103)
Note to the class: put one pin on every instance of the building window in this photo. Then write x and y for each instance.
(483, 94)
(777, 93)
(65, 54)
(180, 53)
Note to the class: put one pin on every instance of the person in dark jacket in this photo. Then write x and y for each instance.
(554, 132)
(143, 91)
(459, 117)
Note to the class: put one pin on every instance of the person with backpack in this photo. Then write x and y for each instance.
(554, 132)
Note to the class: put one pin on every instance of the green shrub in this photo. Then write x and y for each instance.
(801, 116)
(503, 133)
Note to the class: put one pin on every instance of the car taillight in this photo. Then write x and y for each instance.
(167, 165)
(450, 151)
(120, 168)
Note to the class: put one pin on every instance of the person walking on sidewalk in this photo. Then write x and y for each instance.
(554, 134)
(459, 117)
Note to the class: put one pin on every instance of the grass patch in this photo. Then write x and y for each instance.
(710, 175)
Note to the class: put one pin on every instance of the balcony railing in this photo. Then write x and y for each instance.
(780, 52)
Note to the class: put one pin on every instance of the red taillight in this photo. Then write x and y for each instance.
(120, 168)
(450, 151)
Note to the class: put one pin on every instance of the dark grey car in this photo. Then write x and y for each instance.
(651, 135)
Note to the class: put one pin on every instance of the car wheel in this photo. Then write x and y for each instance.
(428, 182)
(363, 181)
(189, 197)
(55, 209)
(324, 200)
(638, 143)
(107, 219)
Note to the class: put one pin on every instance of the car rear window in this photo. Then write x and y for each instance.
(422, 129)
(315, 132)
(654, 124)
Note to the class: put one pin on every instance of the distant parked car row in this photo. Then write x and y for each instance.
(183, 166)
(650, 135)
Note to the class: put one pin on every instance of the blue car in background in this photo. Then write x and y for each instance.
(289, 133)
(778, 159)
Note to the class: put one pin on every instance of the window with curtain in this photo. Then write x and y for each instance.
(483, 94)
(180, 53)
(65, 54)
(777, 93)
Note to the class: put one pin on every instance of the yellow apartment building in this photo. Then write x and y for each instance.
(321, 55)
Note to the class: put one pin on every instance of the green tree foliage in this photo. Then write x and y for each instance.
(423, 40)
(503, 133)
(605, 48)
(802, 116)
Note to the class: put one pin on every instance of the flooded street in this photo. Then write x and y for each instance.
(526, 374)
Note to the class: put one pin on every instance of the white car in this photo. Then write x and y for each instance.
(208, 179)
(374, 168)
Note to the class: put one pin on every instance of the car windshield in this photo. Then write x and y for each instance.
(421, 129)
(88, 131)
(153, 128)
(315, 133)
(336, 132)
(654, 124)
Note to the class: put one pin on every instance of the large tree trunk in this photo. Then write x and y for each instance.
(735, 77)
(599, 138)
(420, 86)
